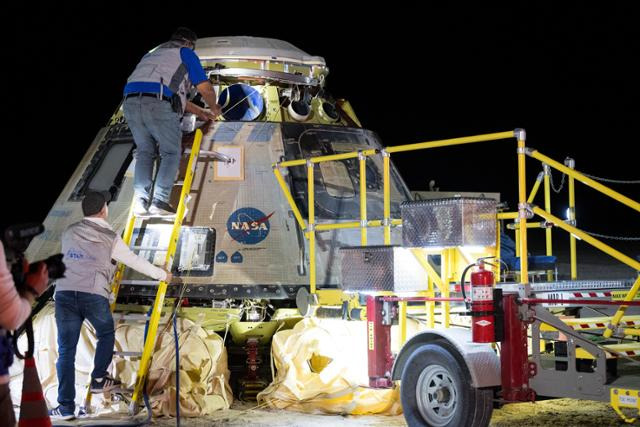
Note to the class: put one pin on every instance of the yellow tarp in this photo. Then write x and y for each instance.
(321, 367)
(204, 377)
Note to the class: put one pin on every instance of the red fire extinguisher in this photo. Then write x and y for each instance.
(482, 309)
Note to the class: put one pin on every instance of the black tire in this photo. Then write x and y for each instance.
(436, 390)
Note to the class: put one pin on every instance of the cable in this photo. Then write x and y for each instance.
(175, 340)
(464, 273)
(613, 181)
(604, 236)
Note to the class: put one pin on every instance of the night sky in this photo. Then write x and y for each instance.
(568, 75)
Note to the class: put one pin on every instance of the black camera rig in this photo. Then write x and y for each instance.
(16, 239)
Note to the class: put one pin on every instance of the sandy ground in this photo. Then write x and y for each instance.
(557, 412)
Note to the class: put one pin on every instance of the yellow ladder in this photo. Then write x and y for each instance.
(154, 320)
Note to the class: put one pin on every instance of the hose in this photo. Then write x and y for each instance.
(464, 274)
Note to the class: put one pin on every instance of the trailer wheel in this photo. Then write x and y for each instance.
(436, 390)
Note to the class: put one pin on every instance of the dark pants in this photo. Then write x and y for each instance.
(72, 308)
(155, 127)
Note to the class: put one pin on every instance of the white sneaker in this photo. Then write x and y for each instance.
(159, 208)
(140, 207)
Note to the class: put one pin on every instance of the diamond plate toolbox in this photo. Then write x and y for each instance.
(381, 268)
(457, 221)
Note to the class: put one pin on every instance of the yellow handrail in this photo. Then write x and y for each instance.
(329, 158)
(606, 249)
(585, 180)
(587, 238)
(534, 189)
(289, 197)
(452, 141)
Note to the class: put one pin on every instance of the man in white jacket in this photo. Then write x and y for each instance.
(91, 251)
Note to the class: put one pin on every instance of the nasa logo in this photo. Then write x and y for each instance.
(249, 225)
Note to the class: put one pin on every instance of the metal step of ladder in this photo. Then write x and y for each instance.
(154, 319)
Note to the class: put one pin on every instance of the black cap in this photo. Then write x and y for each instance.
(94, 201)
(184, 34)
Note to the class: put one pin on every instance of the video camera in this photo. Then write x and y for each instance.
(16, 239)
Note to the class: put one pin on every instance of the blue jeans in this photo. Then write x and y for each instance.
(155, 128)
(72, 308)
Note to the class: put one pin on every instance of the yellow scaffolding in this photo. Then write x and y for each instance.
(525, 211)
(310, 227)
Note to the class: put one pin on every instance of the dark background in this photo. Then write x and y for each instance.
(568, 75)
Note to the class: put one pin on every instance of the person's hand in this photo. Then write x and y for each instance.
(205, 115)
(216, 110)
(38, 279)
(169, 277)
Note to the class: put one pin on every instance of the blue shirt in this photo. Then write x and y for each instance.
(195, 70)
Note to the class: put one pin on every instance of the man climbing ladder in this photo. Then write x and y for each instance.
(89, 246)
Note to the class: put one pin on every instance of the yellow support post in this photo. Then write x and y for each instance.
(517, 239)
(498, 248)
(546, 170)
(363, 199)
(402, 323)
(585, 180)
(387, 196)
(446, 263)
(536, 186)
(625, 398)
(522, 205)
(337, 226)
(150, 341)
(623, 308)
(330, 158)
(312, 225)
(431, 305)
(289, 197)
(432, 277)
(570, 163)
(420, 256)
